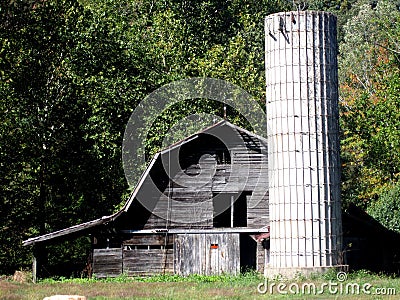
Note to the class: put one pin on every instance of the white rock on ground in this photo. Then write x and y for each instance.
(65, 297)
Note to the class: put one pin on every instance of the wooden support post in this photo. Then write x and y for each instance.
(232, 210)
(34, 264)
(38, 260)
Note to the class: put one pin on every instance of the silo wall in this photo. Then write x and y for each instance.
(302, 115)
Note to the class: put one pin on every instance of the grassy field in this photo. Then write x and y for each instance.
(211, 287)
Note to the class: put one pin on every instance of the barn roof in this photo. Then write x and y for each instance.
(80, 229)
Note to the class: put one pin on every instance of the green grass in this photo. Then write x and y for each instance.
(195, 287)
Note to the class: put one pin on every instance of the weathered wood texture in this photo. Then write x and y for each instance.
(148, 254)
(206, 167)
(207, 254)
(149, 239)
(107, 262)
(149, 258)
(262, 257)
(257, 209)
(148, 261)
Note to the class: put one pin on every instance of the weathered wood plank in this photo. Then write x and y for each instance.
(207, 254)
(107, 262)
(147, 261)
(149, 239)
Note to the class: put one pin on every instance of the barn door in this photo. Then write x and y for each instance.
(208, 254)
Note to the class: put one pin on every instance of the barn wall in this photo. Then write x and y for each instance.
(147, 261)
(148, 254)
(186, 200)
(107, 262)
(139, 255)
(148, 239)
(183, 254)
(257, 209)
(144, 260)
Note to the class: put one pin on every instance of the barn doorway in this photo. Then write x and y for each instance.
(248, 252)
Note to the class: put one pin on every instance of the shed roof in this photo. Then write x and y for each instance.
(87, 226)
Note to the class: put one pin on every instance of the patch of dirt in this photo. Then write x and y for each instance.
(6, 290)
(7, 285)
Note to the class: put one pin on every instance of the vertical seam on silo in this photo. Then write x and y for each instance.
(282, 215)
(307, 98)
(315, 103)
(286, 164)
(276, 184)
(315, 16)
(325, 133)
(279, 187)
(303, 205)
(321, 220)
(288, 222)
(335, 119)
(294, 200)
(322, 137)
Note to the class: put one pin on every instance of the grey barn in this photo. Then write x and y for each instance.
(200, 207)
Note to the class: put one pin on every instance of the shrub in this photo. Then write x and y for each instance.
(386, 209)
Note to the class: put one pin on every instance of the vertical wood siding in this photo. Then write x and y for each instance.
(193, 254)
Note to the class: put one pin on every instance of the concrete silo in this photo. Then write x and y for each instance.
(302, 115)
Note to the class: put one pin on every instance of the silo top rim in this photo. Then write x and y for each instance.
(300, 13)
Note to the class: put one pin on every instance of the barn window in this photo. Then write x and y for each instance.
(147, 247)
(223, 156)
(230, 210)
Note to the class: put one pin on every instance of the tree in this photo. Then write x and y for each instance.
(64, 78)
(369, 73)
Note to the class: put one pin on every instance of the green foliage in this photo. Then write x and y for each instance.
(245, 278)
(369, 75)
(386, 209)
(57, 132)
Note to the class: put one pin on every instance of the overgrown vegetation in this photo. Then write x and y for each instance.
(245, 278)
(72, 72)
(197, 287)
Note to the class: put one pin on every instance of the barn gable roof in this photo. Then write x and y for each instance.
(82, 228)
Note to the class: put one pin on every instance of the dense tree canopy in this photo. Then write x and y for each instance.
(370, 105)
(71, 73)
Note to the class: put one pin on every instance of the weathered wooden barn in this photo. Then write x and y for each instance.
(200, 207)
